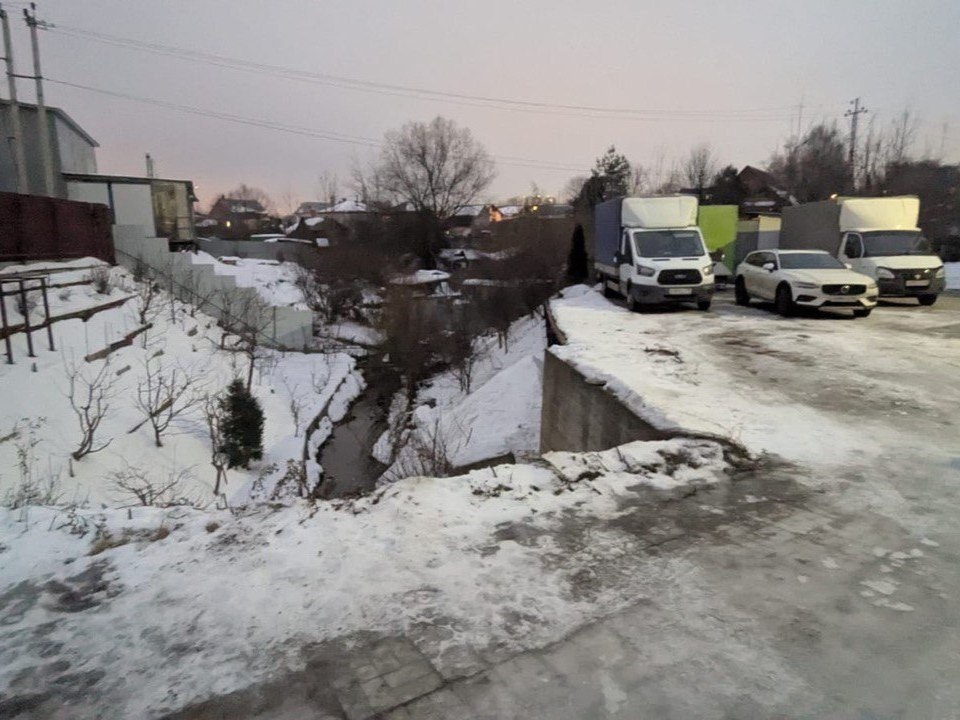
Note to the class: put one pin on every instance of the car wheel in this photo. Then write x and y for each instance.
(865, 312)
(785, 300)
(927, 300)
(703, 305)
(740, 292)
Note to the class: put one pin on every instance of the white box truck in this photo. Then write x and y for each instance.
(650, 251)
(876, 236)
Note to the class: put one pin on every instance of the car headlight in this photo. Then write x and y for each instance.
(941, 272)
(885, 274)
(806, 285)
(646, 271)
(707, 271)
(872, 285)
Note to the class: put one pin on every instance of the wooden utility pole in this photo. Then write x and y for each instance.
(16, 134)
(854, 114)
(46, 154)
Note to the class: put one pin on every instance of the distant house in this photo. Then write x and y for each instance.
(239, 218)
(311, 208)
(321, 231)
(72, 149)
(351, 214)
(490, 214)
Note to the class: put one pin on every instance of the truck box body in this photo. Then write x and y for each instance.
(883, 213)
(670, 211)
(877, 237)
(650, 251)
(819, 225)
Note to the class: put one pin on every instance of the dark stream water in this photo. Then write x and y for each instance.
(348, 466)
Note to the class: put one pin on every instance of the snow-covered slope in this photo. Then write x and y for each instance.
(34, 394)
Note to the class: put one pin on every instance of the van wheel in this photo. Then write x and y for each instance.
(785, 300)
(607, 292)
(703, 305)
(865, 312)
(632, 304)
(740, 292)
(927, 300)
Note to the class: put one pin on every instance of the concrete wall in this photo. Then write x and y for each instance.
(581, 416)
(252, 249)
(76, 154)
(216, 295)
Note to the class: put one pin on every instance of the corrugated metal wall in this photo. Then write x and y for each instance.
(34, 227)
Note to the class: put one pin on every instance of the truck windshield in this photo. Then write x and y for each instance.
(809, 261)
(668, 243)
(894, 242)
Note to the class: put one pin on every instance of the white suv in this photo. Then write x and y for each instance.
(804, 278)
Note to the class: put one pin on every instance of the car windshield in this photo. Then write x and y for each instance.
(668, 243)
(804, 261)
(887, 243)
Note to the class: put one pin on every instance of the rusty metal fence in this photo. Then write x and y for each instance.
(34, 227)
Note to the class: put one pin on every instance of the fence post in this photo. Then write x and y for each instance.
(6, 326)
(46, 312)
(26, 320)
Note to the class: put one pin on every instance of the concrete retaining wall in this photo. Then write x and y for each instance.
(580, 416)
(216, 295)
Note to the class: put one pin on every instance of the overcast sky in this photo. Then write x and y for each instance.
(731, 74)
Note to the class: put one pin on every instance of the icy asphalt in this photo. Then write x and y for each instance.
(818, 589)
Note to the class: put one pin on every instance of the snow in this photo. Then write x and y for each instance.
(274, 281)
(500, 414)
(346, 206)
(715, 373)
(421, 277)
(34, 390)
(952, 270)
(207, 612)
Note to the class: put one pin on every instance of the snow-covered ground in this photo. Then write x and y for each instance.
(197, 603)
(722, 372)
(274, 281)
(501, 413)
(33, 392)
(952, 270)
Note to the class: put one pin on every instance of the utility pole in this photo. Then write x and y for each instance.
(46, 154)
(16, 137)
(854, 114)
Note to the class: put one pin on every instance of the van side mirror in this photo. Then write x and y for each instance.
(769, 266)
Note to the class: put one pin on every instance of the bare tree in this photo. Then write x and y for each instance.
(134, 483)
(328, 185)
(436, 166)
(214, 416)
(164, 395)
(295, 404)
(245, 315)
(640, 180)
(369, 185)
(902, 135)
(289, 201)
(248, 192)
(699, 167)
(571, 191)
(147, 292)
(89, 394)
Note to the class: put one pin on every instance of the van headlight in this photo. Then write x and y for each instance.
(646, 271)
(707, 271)
(941, 272)
(885, 274)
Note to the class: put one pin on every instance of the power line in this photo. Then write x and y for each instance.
(770, 114)
(296, 129)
